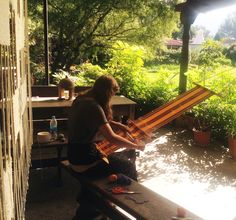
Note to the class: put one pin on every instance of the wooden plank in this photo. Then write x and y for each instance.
(49, 102)
(45, 107)
(157, 206)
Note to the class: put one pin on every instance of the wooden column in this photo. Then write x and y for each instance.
(187, 17)
(46, 47)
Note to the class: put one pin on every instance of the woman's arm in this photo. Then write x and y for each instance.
(113, 138)
(120, 126)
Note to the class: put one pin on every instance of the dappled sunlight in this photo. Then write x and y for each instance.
(202, 179)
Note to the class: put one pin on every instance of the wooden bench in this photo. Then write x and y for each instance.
(145, 205)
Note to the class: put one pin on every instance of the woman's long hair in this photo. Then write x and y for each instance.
(102, 91)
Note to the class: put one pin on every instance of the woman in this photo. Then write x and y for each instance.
(91, 113)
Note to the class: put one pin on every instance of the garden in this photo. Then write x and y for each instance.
(147, 74)
(151, 85)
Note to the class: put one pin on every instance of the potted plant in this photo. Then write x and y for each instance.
(231, 131)
(202, 126)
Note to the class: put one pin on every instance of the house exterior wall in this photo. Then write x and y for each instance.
(15, 109)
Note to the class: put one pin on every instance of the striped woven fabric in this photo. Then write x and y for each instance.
(145, 125)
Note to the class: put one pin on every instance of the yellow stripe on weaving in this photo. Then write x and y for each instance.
(141, 121)
(180, 109)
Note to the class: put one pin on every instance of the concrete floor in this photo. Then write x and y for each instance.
(202, 179)
(48, 201)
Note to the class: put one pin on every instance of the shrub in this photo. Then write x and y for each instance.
(211, 53)
(61, 74)
(126, 65)
(217, 114)
(87, 73)
(37, 73)
(231, 125)
(169, 56)
(194, 55)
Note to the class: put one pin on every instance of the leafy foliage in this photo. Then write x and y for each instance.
(80, 30)
(61, 74)
(149, 87)
(126, 65)
(218, 115)
(218, 111)
(82, 75)
(169, 57)
(155, 85)
(88, 73)
(211, 53)
(231, 125)
(82, 33)
(193, 32)
(202, 116)
(38, 73)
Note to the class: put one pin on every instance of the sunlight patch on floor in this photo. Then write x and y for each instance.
(187, 180)
(218, 204)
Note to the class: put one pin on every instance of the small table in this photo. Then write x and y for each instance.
(121, 105)
(40, 161)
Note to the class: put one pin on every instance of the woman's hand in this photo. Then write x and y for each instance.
(120, 141)
(140, 145)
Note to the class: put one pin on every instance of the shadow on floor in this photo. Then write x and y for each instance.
(48, 201)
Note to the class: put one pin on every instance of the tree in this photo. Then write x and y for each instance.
(193, 32)
(196, 29)
(228, 28)
(211, 53)
(80, 30)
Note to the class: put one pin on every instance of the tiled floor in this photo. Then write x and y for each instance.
(202, 179)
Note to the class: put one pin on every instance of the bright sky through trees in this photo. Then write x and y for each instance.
(213, 19)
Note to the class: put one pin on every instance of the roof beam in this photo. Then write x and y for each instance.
(204, 5)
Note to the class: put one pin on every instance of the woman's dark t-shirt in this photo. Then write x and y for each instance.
(85, 118)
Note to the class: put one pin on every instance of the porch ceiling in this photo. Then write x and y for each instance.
(204, 5)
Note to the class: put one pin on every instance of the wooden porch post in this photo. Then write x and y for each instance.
(187, 16)
(46, 49)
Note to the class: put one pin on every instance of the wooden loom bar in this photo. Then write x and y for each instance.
(143, 126)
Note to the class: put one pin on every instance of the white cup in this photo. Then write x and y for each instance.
(43, 137)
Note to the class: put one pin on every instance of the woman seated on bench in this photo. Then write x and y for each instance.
(91, 113)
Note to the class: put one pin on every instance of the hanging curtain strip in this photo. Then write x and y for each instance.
(16, 117)
(4, 98)
(4, 23)
(1, 137)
